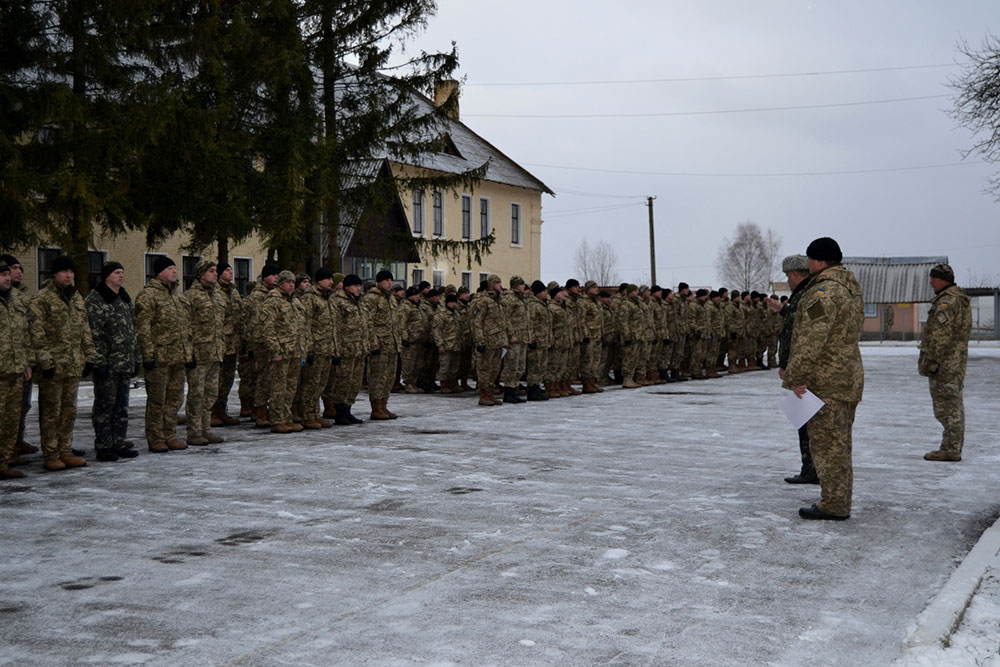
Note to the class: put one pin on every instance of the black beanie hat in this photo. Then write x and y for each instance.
(423, 285)
(162, 262)
(451, 297)
(412, 290)
(322, 273)
(537, 287)
(269, 270)
(701, 292)
(109, 268)
(432, 292)
(62, 263)
(8, 259)
(572, 282)
(824, 249)
(351, 279)
(222, 266)
(380, 276)
(682, 286)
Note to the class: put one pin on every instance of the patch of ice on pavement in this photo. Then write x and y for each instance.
(615, 554)
(509, 573)
(589, 591)
(618, 529)
(664, 565)
(196, 580)
(526, 642)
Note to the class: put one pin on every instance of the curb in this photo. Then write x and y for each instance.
(942, 617)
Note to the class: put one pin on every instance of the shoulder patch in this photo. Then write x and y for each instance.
(820, 290)
(816, 311)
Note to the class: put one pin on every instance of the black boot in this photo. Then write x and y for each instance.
(678, 377)
(351, 418)
(341, 417)
(808, 474)
(510, 395)
(535, 393)
(617, 379)
(126, 453)
(106, 454)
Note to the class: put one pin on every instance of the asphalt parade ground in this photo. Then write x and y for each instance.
(635, 527)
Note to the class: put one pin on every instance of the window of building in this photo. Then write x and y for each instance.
(150, 258)
(188, 265)
(95, 260)
(484, 217)
(482, 277)
(515, 224)
(418, 212)
(437, 279)
(437, 202)
(871, 310)
(466, 217)
(467, 280)
(418, 276)
(242, 270)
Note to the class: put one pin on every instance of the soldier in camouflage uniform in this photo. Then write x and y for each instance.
(718, 333)
(256, 345)
(446, 331)
(303, 283)
(826, 360)
(465, 358)
(317, 302)
(609, 338)
(64, 351)
(541, 340)
(383, 344)
(518, 323)
(231, 343)
(668, 332)
(573, 296)
(352, 340)
(489, 336)
(734, 333)
(414, 328)
(699, 331)
(591, 334)
(631, 323)
(19, 292)
(658, 313)
(286, 335)
(557, 375)
(429, 363)
(772, 325)
(112, 328)
(246, 364)
(163, 328)
(681, 350)
(944, 354)
(207, 317)
(16, 360)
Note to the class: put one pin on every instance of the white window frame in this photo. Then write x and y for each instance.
(437, 214)
(516, 206)
(482, 277)
(417, 211)
(489, 224)
(437, 278)
(250, 273)
(147, 277)
(467, 280)
(418, 276)
(871, 310)
(466, 224)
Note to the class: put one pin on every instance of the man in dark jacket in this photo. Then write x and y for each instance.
(112, 326)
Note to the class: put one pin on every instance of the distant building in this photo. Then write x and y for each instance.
(897, 294)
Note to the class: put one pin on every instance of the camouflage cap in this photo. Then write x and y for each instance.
(202, 267)
(632, 288)
(338, 278)
(943, 272)
(286, 276)
(300, 277)
(589, 284)
(795, 263)
(493, 279)
(552, 284)
(450, 289)
(463, 290)
(515, 281)
(643, 288)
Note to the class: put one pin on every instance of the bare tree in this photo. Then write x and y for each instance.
(977, 102)
(598, 263)
(750, 258)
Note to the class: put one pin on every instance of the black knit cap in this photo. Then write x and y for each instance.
(351, 279)
(9, 259)
(824, 249)
(432, 292)
(222, 266)
(380, 276)
(412, 290)
(537, 287)
(702, 292)
(604, 294)
(423, 285)
(269, 270)
(322, 273)
(63, 263)
(655, 288)
(682, 286)
(109, 268)
(572, 282)
(451, 297)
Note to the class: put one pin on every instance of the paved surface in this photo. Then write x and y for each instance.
(635, 527)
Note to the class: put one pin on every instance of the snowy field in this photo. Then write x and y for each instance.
(634, 527)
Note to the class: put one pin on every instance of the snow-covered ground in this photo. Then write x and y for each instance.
(633, 527)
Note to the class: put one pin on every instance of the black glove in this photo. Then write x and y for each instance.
(335, 360)
(88, 368)
(310, 359)
(586, 341)
(191, 364)
(480, 349)
(697, 335)
(667, 341)
(732, 336)
(406, 343)
(49, 373)
(249, 354)
(149, 365)
(135, 370)
(532, 346)
(101, 373)
(627, 343)
(375, 353)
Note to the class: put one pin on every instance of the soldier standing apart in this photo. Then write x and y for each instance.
(208, 318)
(284, 332)
(231, 344)
(826, 360)
(64, 350)
(16, 358)
(515, 312)
(383, 343)
(112, 328)
(162, 322)
(944, 354)
(489, 336)
(317, 302)
(352, 338)
(447, 335)
(796, 268)
(20, 293)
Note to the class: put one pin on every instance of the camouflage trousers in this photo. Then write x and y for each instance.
(381, 375)
(203, 388)
(949, 409)
(696, 347)
(11, 391)
(612, 359)
(653, 360)
(315, 379)
(227, 375)
(413, 361)
(759, 347)
(262, 378)
(830, 444)
(772, 350)
(630, 359)
(56, 414)
(164, 392)
(448, 365)
(248, 379)
(25, 407)
(345, 380)
(590, 358)
(556, 368)
(429, 363)
(680, 351)
(573, 361)
(110, 412)
(284, 382)
(666, 355)
(723, 348)
(746, 349)
(514, 364)
(465, 363)
(537, 364)
(712, 356)
(487, 367)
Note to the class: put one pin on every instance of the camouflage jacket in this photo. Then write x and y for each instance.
(380, 313)
(683, 306)
(717, 326)
(670, 328)
(609, 324)
(252, 331)
(351, 324)
(414, 325)
(944, 343)
(321, 316)
(562, 337)
(161, 317)
(515, 311)
(113, 330)
(631, 320)
(825, 355)
(463, 311)
(737, 320)
(698, 320)
(430, 310)
(447, 329)
(234, 313)
(573, 312)
(788, 323)
(64, 341)
(208, 321)
(16, 335)
(659, 318)
(489, 325)
(773, 321)
(591, 318)
(286, 331)
(541, 322)
(648, 321)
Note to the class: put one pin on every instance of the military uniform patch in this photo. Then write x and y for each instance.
(816, 311)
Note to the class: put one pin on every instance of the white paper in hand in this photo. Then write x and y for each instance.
(800, 410)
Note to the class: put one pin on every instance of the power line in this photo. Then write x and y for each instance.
(581, 193)
(594, 209)
(714, 78)
(748, 174)
(711, 112)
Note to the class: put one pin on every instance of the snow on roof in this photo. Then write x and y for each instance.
(894, 279)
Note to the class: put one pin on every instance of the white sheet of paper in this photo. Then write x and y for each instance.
(798, 411)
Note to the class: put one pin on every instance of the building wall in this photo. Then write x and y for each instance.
(130, 249)
(506, 258)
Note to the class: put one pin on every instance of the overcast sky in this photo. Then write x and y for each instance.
(711, 171)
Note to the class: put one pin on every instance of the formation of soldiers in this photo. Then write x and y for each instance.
(304, 347)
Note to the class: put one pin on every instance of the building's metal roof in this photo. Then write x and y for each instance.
(894, 279)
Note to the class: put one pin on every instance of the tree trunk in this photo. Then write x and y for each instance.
(222, 241)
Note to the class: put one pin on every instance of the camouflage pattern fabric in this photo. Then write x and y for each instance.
(113, 329)
(64, 341)
(788, 323)
(518, 321)
(949, 410)
(162, 324)
(110, 412)
(488, 324)
(286, 336)
(10, 395)
(56, 414)
(207, 316)
(944, 354)
(487, 366)
(352, 337)
(164, 393)
(347, 379)
(831, 447)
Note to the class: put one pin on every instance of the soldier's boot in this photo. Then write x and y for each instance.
(176, 445)
(378, 414)
(25, 448)
(653, 377)
(10, 473)
(639, 379)
(604, 382)
(219, 416)
(350, 417)
(311, 424)
(486, 398)
(617, 379)
(340, 419)
(297, 427)
(213, 439)
(323, 423)
(712, 373)
(570, 390)
(246, 406)
(522, 390)
(750, 365)
(941, 455)
(535, 393)
(464, 385)
(53, 465)
(679, 376)
(197, 440)
(589, 387)
(159, 448)
(446, 387)
(734, 367)
(296, 412)
(761, 366)
(413, 389)
(386, 410)
(430, 387)
(261, 417)
(510, 395)
(630, 383)
(216, 420)
(282, 428)
(329, 408)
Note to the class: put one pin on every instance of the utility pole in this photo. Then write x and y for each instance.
(652, 243)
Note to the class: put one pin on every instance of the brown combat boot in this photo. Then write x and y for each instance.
(712, 373)
(25, 448)
(564, 388)
(213, 439)
(386, 410)
(589, 387)
(941, 455)
(486, 398)
(246, 407)
(158, 448)
(413, 389)
(283, 428)
(329, 409)
(73, 461)
(378, 414)
(216, 420)
(446, 387)
(220, 418)
(571, 391)
(630, 383)
(176, 445)
(52, 465)
(262, 417)
(296, 412)
(10, 473)
(197, 440)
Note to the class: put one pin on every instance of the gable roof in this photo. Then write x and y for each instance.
(894, 279)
